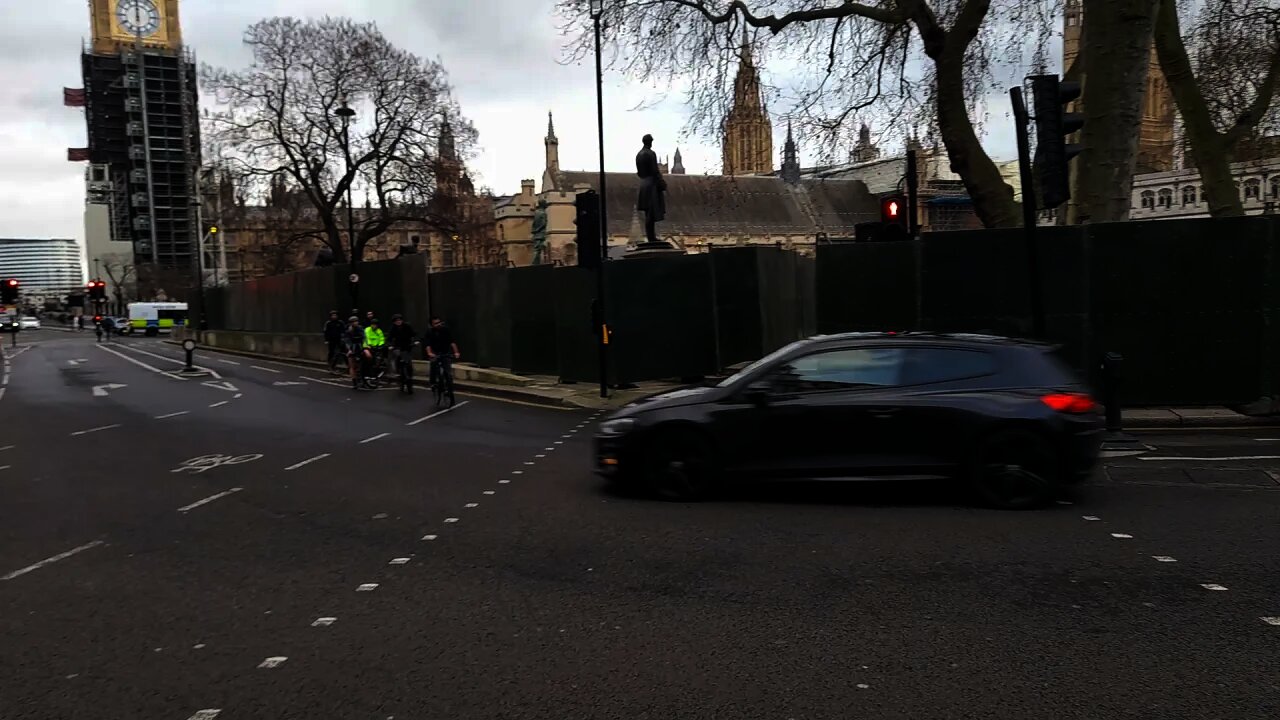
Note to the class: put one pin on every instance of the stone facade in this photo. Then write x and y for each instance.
(748, 134)
(1179, 193)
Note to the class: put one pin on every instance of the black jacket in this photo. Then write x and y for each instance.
(333, 330)
(402, 337)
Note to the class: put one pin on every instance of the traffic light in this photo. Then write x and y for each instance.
(1053, 125)
(9, 292)
(587, 205)
(97, 290)
(894, 218)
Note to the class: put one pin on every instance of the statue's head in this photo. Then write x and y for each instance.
(542, 203)
(647, 140)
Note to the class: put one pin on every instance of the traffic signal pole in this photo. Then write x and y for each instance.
(1020, 120)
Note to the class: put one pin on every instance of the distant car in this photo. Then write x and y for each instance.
(9, 323)
(29, 323)
(122, 325)
(1005, 415)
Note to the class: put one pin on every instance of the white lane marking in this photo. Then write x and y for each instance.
(172, 415)
(541, 456)
(105, 390)
(471, 505)
(223, 385)
(1212, 586)
(1121, 453)
(286, 383)
(5, 467)
(1271, 620)
(1090, 517)
(5, 379)
(504, 482)
(438, 413)
(488, 492)
(238, 396)
(1122, 536)
(451, 520)
(1163, 558)
(167, 359)
(379, 436)
(94, 430)
(219, 404)
(526, 462)
(430, 537)
(271, 662)
(209, 714)
(331, 383)
(227, 362)
(2, 392)
(308, 461)
(399, 561)
(559, 442)
(549, 449)
(517, 472)
(563, 437)
(1203, 459)
(265, 369)
(7, 447)
(137, 362)
(367, 587)
(209, 499)
(323, 622)
(1064, 502)
(50, 561)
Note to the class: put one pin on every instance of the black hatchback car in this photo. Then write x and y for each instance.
(1005, 415)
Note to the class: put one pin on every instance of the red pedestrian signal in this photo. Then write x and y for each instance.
(894, 215)
(9, 292)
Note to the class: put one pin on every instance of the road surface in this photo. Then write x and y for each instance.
(262, 542)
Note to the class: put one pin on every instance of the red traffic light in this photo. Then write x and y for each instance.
(97, 318)
(13, 283)
(893, 210)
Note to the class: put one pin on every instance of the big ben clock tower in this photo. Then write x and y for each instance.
(140, 104)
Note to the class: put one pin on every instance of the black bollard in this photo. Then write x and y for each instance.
(190, 346)
(1111, 365)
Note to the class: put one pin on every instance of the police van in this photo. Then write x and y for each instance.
(154, 318)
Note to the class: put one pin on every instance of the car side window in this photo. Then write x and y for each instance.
(841, 370)
(924, 366)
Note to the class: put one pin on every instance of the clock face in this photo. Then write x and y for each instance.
(138, 17)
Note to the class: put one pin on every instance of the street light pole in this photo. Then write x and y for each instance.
(346, 113)
(597, 9)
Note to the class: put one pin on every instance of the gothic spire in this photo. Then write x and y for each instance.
(790, 159)
(677, 165)
(551, 129)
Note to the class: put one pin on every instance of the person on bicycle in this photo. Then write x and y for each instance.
(375, 342)
(97, 328)
(442, 349)
(401, 338)
(353, 338)
(333, 329)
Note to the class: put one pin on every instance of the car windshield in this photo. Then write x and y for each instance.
(744, 372)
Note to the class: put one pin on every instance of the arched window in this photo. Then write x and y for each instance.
(1274, 192)
(1166, 198)
(1189, 195)
(1252, 189)
(1148, 200)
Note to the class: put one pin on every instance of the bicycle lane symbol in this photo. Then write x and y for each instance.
(204, 463)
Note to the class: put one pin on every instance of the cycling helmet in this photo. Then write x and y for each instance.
(353, 319)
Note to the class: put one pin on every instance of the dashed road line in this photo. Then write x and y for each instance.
(1212, 586)
(1211, 459)
(209, 499)
(227, 362)
(323, 622)
(367, 587)
(265, 369)
(94, 430)
(1271, 620)
(219, 403)
(451, 520)
(488, 492)
(1122, 536)
(51, 560)
(7, 447)
(308, 461)
(208, 714)
(1163, 558)
(272, 662)
(438, 413)
(173, 415)
(399, 561)
(379, 436)
(430, 537)
(1090, 517)
(471, 505)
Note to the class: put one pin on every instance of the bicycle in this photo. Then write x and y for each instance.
(373, 371)
(443, 385)
(404, 370)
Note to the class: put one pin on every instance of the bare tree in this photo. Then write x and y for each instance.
(1223, 72)
(854, 59)
(278, 116)
(120, 271)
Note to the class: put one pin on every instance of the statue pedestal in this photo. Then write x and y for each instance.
(652, 249)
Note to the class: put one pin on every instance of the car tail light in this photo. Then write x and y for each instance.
(1069, 402)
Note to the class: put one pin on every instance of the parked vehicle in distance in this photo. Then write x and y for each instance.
(29, 323)
(9, 322)
(1005, 415)
(152, 318)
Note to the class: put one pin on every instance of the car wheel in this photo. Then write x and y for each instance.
(680, 466)
(1015, 470)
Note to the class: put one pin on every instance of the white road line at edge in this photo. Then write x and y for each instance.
(209, 499)
(265, 369)
(220, 404)
(94, 430)
(172, 415)
(175, 361)
(438, 413)
(50, 561)
(308, 461)
(208, 714)
(139, 363)
(1203, 459)
(379, 436)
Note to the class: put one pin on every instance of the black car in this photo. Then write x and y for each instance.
(1006, 415)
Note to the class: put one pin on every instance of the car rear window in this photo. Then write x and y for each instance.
(1042, 366)
(924, 366)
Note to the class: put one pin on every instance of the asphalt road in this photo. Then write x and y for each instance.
(263, 542)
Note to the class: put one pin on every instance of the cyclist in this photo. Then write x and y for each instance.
(333, 329)
(442, 349)
(97, 328)
(354, 340)
(375, 342)
(402, 339)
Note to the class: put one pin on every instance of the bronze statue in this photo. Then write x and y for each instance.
(650, 200)
(540, 232)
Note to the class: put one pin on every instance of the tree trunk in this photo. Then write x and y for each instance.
(1210, 149)
(1118, 44)
(992, 197)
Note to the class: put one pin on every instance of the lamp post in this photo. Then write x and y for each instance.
(345, 112)
(597, 9)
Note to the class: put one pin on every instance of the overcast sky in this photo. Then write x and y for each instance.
(501, 55)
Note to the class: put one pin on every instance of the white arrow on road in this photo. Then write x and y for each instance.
(74, 363)
(101, 390)
(224, 385)
(287, 382)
